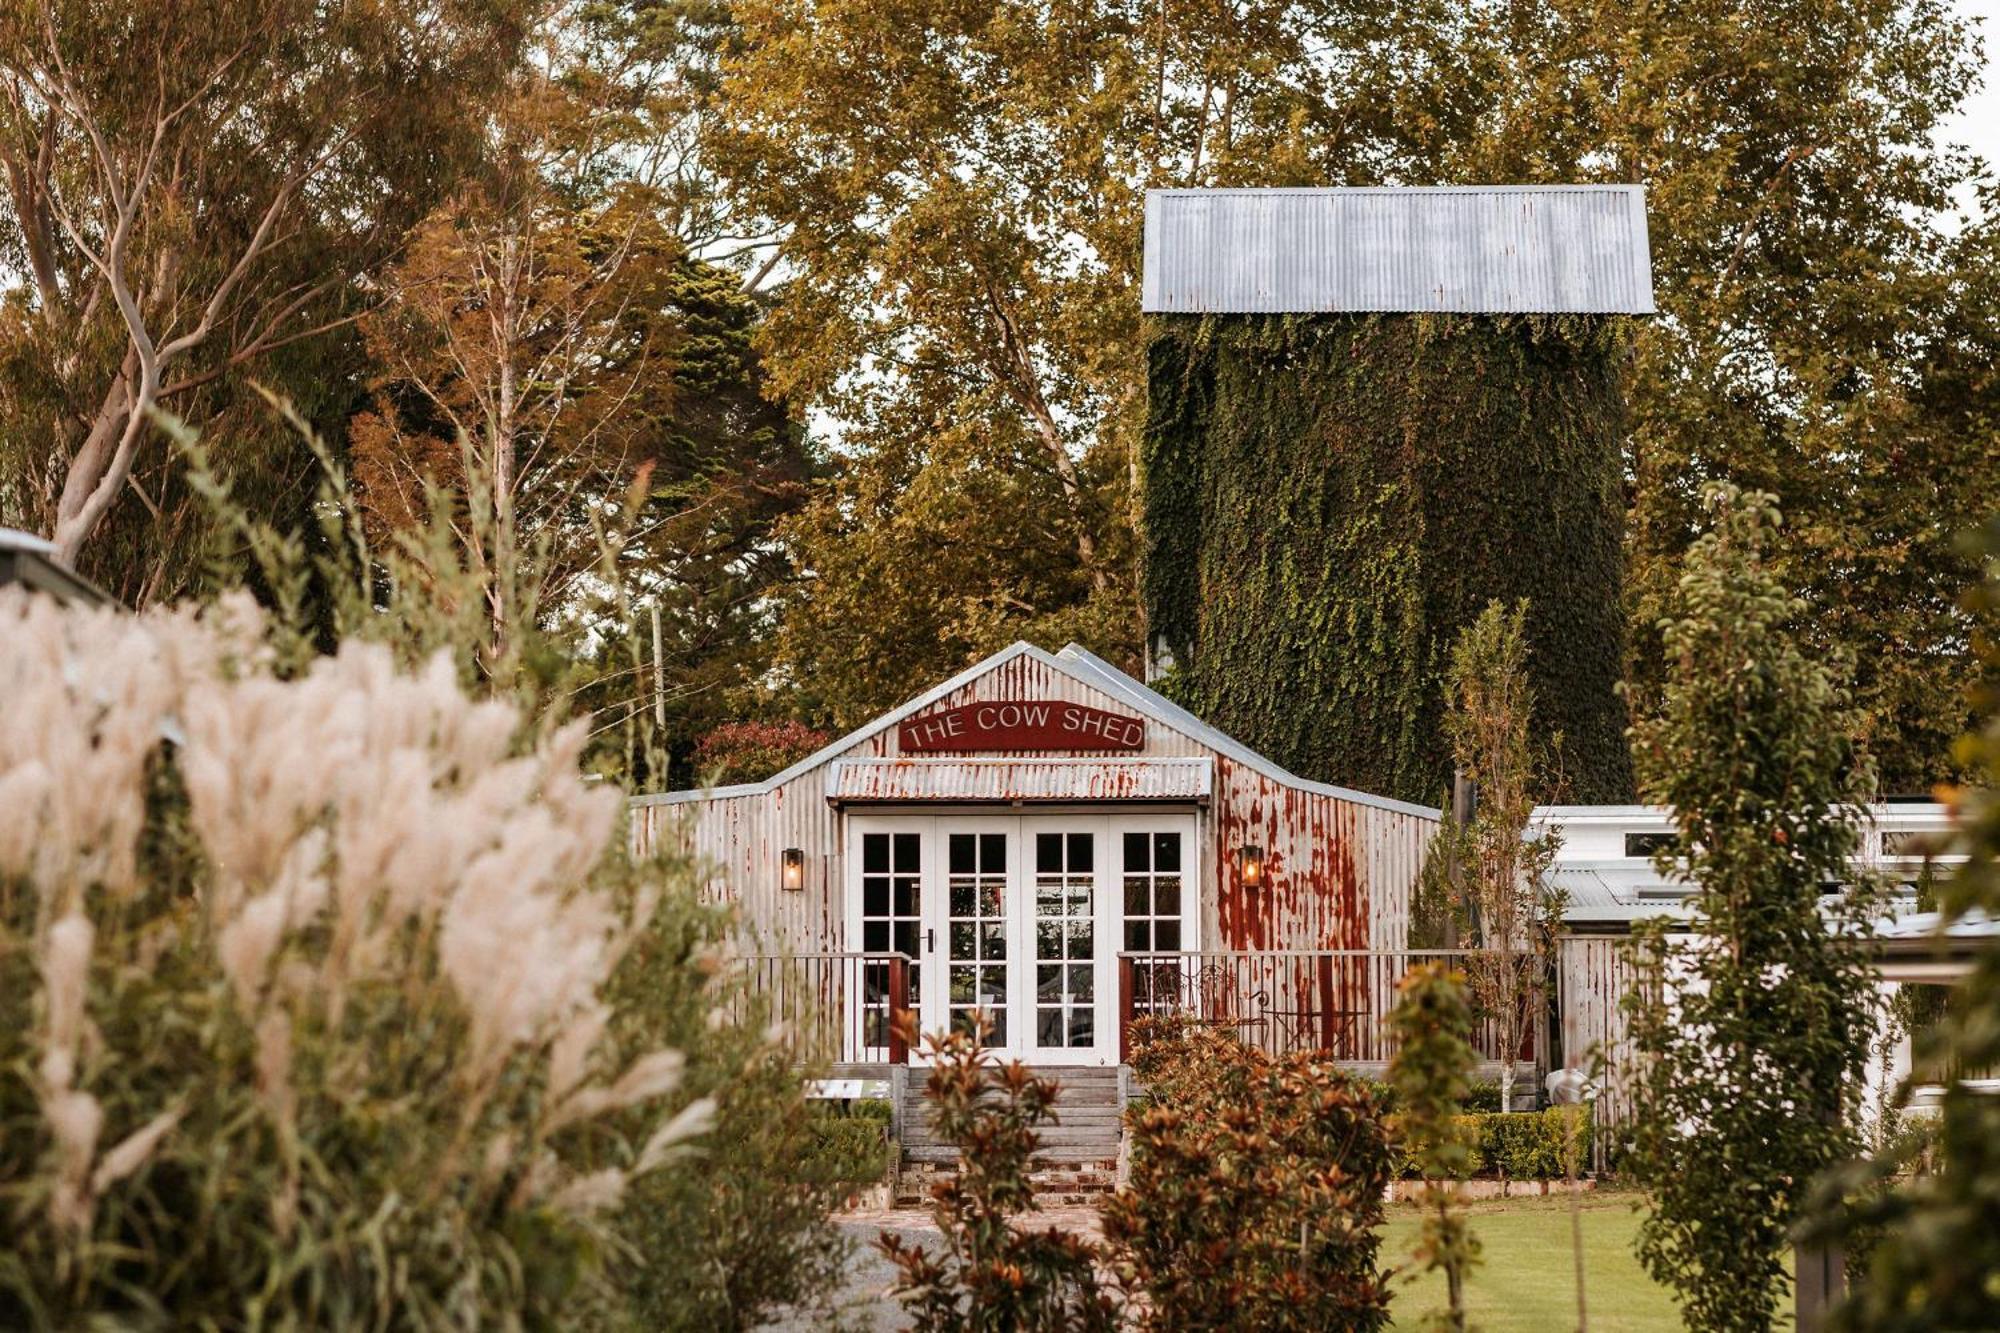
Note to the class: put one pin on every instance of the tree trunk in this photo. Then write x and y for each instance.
(89, 467)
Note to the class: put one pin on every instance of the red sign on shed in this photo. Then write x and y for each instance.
(1021, 724)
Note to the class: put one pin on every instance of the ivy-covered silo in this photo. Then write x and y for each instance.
(1373, 411)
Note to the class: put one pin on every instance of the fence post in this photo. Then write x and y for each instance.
(899, 1005)
(1327, 1022)
(1125, 1008)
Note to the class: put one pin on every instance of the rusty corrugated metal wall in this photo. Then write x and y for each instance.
(1341, 871)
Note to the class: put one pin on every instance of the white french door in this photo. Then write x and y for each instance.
(1018, 917)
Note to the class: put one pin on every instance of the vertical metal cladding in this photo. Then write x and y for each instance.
(1594, 976)
(1339, 871)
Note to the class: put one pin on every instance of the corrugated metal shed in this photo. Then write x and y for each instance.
(1339, 863)
(1008, 780)
(1515, 249)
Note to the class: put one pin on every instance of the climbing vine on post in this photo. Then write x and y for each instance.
(1743, 1069)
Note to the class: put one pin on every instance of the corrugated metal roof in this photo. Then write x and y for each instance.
(1085, 667)
(853, 780)
(1500, 249)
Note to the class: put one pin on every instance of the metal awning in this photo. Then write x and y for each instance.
(1006, 781)
(1924, 947)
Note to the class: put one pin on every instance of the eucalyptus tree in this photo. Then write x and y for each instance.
(193, 195)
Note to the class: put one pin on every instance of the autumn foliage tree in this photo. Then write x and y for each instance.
(949, 199)
(191, 192)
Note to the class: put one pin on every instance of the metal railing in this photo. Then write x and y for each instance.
(1327, 1001)
(832, 1007)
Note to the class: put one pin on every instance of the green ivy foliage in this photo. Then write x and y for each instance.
(1329, 499)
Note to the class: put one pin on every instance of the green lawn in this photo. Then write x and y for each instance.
(1525, 1282)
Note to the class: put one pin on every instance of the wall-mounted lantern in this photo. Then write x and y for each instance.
(794, 877)
(1250, 867)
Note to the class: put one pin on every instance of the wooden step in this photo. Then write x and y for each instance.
(1075, 1153)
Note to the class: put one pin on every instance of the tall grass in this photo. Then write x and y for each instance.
(304, 978)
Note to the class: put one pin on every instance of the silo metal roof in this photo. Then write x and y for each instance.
(1479, 249)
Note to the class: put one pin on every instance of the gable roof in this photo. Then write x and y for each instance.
(1080, 665)
(1479, 249)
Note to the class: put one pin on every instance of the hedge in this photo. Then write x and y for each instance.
(1526, 1145)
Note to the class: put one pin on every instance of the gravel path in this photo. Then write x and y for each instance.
(864, 1301)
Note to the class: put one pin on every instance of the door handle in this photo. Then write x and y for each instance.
(930, 941)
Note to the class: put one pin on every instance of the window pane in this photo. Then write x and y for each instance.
(993, 942)
(875, 853)
(1082, 853)
(1049, 1027)
(1080, 979)
(909, 853)
(1167, 895)
(1048, 853)
(1079, 1026)
(1137, 901)
(1166, 851)
(962, 846)
(1080, 940)
(962, 897)
(1138, 936)
(875, 937)
(906, 897)
(874, 896)
(1166, 936)
(961, 939)
(993, 852)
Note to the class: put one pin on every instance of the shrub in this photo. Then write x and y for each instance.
(726, 1246)
(1529, 1145)
(1255, 1189)
(303, 1016)
(992, 1273)
(1483, 1095)
(753, 751)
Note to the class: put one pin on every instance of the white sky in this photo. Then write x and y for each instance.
(1977, 124)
